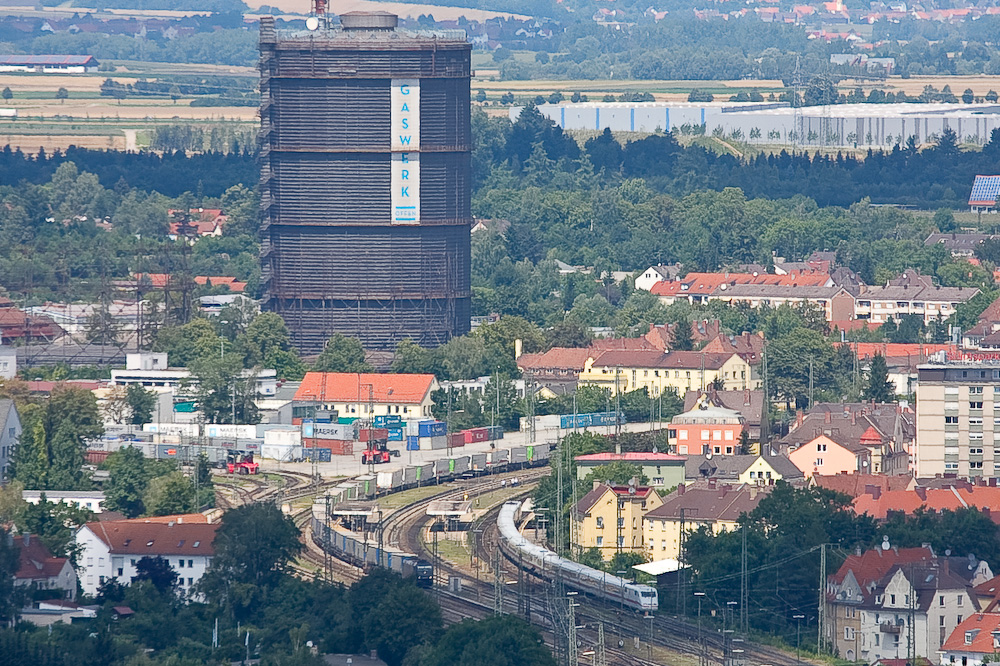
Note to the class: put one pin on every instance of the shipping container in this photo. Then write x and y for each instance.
(314, 430)
(442, 466)
(185, 429)
(542, 452)
(366, 485)
(433, 443)
(518, 455)
(347, 420)
(498, 457)
(494, 432)
(458, 464)
(347, 491)
(476, 435)
(336, 447)
(372, 434)
(456, 439)
(478, 461)
(281, 453)
(282, 437)
(413, 446)
(410, 476)
(96, 457)
(425, 472)
(321, 455)
(389, 480)
(230, 430)
(432, 429)
(388, 420)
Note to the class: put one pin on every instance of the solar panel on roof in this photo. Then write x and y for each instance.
(984, 191)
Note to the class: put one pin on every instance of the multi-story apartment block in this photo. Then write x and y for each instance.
(680, 371)
(610, 518)
(910, 294)
(958, 419)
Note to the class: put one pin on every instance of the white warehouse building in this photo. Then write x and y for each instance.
(838, 125)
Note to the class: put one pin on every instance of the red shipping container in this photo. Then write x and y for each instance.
(96, 457)
(366, 434)
(456, 439)
(337, 447)
(476, 435)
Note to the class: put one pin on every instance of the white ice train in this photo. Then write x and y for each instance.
(574, 575)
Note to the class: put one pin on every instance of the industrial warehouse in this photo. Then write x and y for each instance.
(838, 125)
(366, 148)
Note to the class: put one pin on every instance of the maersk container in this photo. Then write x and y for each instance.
(478, 461)
(432, 429)
(389, 480)
(458, 464)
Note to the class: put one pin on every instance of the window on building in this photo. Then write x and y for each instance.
(600, 541)
(892, 599)
(951, 420)
(121, 572)
(941, 601)
(600, 522)
(180, 564)
(621, 541)
(819, 462)
(975, 404)
(975, 390)
(959, 603)
(941, 619)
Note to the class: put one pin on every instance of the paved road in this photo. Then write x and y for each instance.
(351, 465)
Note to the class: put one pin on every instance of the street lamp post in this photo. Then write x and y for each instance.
(798, 635)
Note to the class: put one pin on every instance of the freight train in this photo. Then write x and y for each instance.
(353, 548)
(546, 564)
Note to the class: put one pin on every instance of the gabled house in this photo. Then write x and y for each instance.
(751, 469)
(823, 455)
(45, 575)
(975, 641)
(610, 518)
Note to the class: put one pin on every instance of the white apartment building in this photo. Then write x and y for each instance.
(880, 304)
(112, 549)
(83, 499)
(150, 370)
(958, 419)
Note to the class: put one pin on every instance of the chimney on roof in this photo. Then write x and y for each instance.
(827, 417)
(874, 491)
(799, 417)
(921, 493)
(854, 418)
(746, 397)
(680, 488)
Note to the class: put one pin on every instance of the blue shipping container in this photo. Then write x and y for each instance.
(395, 435)
(412, 447)
(432, 429)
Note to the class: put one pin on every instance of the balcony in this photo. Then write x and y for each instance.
(889, 628)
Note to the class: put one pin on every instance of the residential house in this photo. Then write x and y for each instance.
(706, 430)
(823, 455)
(956, 495)
(655, 274)
(150, 370)
(910, 294)
(8, 362)
(750, 405)
(834, 301)
(557, 369)
(656, 371)
(351, 393)
(753, 469)
(661, 336)
(41, 572)
(749, 346)
(110, 550)
(10, 432)
(892, 602)
(716, 505)
(887, 430)
(959, 244)
(859, 483)
(975, 641)
(663, 470)
(610, 518)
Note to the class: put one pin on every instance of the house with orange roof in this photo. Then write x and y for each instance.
(556, 369)
(351, 393)
(111, 550)
(40, 571)
(975, 641)
(961, 495)
(201, 222)
(889, 602)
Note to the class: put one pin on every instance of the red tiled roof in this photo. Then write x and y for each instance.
(353, 387)
(873, 564)
(224, 280)
(871, 436)
(148, 538)
(181, 518)
(856, 484)
(895, 349)
(630, 456)
(621, 344)
(935, 499)
(37, 562)
(588, 501)
(557, 358)
(981, 626)
(988, 589)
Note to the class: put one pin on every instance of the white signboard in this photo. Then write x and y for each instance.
(405, 174)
